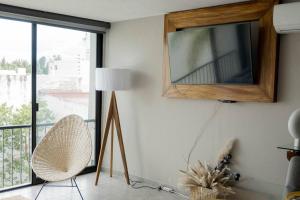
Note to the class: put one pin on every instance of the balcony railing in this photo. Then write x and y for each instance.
(15, 152)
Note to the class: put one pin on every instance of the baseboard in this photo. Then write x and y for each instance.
(241, 192)
(144, 180)
(133, 177)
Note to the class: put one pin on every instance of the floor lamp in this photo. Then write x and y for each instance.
(111, 79)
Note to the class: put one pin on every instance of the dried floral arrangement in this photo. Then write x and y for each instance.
(218, 179)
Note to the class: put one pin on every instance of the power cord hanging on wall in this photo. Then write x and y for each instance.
(203, 129)
(140, 184)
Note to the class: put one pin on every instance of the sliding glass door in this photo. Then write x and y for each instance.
(66, 63)
(46, 73)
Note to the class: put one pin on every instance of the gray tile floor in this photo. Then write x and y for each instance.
(108, 189)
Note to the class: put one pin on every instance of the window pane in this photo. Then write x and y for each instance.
(66, 62)
(15, 103)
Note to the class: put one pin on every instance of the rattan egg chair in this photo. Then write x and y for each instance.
(64, 152)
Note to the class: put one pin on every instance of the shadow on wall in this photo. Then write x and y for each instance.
(140, 80)
(247, 189)
(251, 195)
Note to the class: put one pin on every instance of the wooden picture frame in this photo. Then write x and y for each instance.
(265, 88)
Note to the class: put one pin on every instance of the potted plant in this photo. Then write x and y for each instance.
(205, 182)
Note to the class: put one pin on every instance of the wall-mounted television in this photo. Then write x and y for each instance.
(220, 54)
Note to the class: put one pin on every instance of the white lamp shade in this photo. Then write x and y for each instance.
(111, 79)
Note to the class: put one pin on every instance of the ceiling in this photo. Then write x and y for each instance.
(114, 10)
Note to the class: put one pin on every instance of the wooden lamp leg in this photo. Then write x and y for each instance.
(120, 138)
(106, 132)
(112, 148)
(112, 117)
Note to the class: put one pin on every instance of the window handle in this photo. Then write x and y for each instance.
(36, 107)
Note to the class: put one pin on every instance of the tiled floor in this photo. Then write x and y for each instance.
(108, 189)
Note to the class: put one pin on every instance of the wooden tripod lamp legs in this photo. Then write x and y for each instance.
(112, 118)
(111, 148)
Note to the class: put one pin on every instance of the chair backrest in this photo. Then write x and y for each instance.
(64, 151)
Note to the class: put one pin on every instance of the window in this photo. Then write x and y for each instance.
(53, 67)
(15, 103)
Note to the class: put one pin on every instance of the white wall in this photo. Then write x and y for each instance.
(158, 132)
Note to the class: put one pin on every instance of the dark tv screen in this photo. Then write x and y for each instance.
(221, 54)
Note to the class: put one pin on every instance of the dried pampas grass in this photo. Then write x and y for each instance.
(203, 175)
(217, 179)
(226, 149)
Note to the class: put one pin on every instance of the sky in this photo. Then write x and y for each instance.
(15, 40)
(15, 43)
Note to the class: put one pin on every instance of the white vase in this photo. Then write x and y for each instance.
(294, 127)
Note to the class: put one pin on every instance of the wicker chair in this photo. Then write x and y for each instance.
(64, 152)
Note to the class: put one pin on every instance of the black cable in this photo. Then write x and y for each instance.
(134, 182)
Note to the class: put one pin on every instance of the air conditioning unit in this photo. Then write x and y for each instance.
(286, 18)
